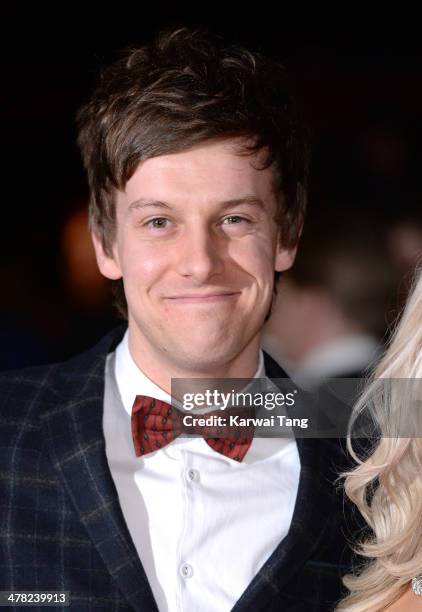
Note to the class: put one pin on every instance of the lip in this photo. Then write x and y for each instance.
(203, 299)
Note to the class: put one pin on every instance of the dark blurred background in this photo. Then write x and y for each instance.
(359, 73)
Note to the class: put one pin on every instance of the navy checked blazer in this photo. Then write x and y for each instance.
(61, 525)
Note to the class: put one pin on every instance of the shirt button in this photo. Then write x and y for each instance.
(193, 475)
(186, 570)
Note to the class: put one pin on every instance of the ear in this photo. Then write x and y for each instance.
(285, 257)
(108, 265)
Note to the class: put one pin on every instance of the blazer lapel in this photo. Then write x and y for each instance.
(313, 511)
(75, 436)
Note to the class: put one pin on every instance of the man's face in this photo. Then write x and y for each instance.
(197, 246)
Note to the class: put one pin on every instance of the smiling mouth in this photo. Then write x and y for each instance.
(204, 299)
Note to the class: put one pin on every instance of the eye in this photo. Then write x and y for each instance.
(234, 220)
(157, 223)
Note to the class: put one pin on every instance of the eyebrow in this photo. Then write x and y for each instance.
(249, 200)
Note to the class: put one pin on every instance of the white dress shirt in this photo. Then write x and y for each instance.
(202, 524)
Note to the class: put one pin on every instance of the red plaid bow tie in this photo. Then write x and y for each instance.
(155, 424)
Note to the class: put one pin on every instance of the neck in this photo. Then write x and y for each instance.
(159, 367)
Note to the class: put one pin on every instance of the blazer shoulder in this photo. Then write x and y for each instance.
(22, 393)
(26, 379)
(28, 390)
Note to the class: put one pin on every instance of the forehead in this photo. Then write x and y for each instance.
(210, 171)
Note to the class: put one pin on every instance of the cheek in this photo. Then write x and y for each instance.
(142, 265)
(256, 258)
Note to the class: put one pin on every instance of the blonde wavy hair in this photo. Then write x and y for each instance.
(386, 485)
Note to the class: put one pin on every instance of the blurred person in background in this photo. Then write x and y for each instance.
(386, 485)
(331, 310)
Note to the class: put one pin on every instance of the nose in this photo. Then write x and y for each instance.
(200, 255)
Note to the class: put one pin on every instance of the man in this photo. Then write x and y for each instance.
(197, 170)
